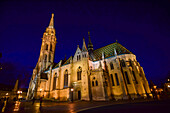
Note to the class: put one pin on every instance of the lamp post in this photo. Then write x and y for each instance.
(72, 89)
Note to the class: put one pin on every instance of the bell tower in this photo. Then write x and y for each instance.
(47, 51)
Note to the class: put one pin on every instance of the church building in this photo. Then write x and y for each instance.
(107, 73)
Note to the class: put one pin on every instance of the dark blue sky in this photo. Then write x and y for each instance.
(142, 27)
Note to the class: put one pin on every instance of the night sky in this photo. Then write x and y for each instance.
(142, 27)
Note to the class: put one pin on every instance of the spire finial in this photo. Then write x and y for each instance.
(88, 33)
(84, 48)
(116, 41)
(90, 45)
(51, 25)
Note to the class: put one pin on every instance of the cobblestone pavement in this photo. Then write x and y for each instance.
(61, 107)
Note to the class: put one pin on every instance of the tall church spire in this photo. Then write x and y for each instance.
(51, 25)
(90, 45)
(84, 48)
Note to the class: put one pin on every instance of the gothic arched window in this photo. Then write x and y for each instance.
(79, 57)
(117, 79)
(127, 78)
(50, 47)
(46, 47)
(123, 63)
(79, 70)
(111, 66)
(66, 78)
(92, 83)
(96, 83)
(45, 57)
(54, 81)
(113, 84)
(134, 77)
(49, 57)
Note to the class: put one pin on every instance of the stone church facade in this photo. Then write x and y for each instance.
(108, 73)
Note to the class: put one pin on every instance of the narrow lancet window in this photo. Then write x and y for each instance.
(134, 77)
(66, 78)
(96, 83)
(79, 71)
(117, 79)
(127, 78)
(111, 66)
(113, 84)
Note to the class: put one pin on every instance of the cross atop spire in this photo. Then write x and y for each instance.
(84, 48)
(51, 25)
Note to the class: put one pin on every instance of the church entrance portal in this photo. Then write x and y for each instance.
(79, 95)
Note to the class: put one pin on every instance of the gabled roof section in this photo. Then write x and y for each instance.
(109, 51)
(56, 65)
(68, 60)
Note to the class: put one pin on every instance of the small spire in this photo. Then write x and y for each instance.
(84, 48)
(116, 41)
(51, 25)
(16, 86)
(90, 45)
(65, 58)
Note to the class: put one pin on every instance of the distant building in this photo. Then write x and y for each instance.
(12, 92)
(110, 72)
(167, 86)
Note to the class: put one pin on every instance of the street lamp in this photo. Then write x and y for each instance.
(72, 89)
(19, 92)
(40, 92)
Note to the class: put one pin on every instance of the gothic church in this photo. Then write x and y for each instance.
(108, 73)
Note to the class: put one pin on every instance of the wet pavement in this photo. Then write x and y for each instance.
(80, 106)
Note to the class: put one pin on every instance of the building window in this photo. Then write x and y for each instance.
(45, 58)
(46, 47)
(117, 79)
(66, 78)
(134, 77)
(79, 70)
(96, 83)
(79, 57)
(123, 63)
(111, 66)
(127, 78)
(49, 57)
(54, 82)
(50, 47)
(113, 84)
(92, 83)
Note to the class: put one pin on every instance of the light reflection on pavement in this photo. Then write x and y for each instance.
(17, 106)
(59, 107)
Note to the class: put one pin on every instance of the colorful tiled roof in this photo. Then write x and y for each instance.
(109, 51)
